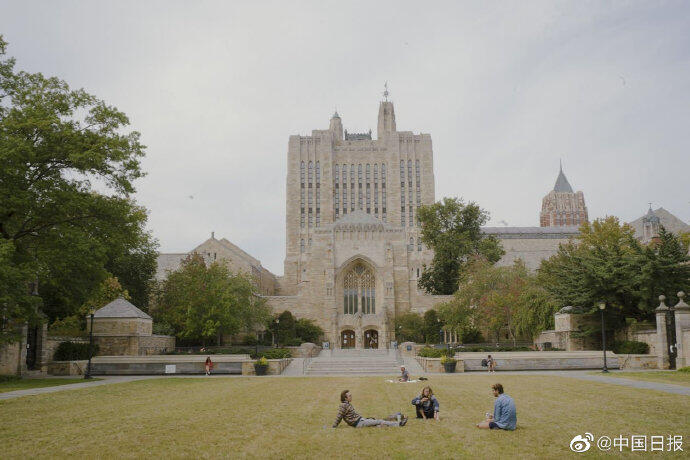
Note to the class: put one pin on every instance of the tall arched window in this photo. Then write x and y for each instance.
(352, 187)
(359, 291)
(376, 189)
(318, 194)
(383, 191)
(301, 201)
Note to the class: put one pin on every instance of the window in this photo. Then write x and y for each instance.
(301, 245)
(419, 244)
(359, 291)
(318, 194)
(352, 187)
(410, 246)
(383, 191)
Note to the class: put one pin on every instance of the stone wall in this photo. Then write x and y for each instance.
(10, 358)
(121, 326)
(67, 367)
(166, 364)
(638, 361)
(52, 342)
(539, 360)
(275, 366)
(156, 344)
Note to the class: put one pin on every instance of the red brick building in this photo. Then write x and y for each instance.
(562, 207)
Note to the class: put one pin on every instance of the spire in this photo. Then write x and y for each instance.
(385, 92)
(335, 114)
(386, 124)
(562, 184)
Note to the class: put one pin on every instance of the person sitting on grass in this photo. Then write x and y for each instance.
(505, 414)
(347, 412)
(404, 375)
(426, 404)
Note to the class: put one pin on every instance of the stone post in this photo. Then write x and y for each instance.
(682, 312)
(661, 338)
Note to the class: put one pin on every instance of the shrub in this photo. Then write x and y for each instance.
(9, 378)
(684, 369)
(630, 347)
(250, 340)
(307, 331)
(71, 351)
(447, 359)
(276, 353)
(472, 335)
(262, 361)
(428, 352)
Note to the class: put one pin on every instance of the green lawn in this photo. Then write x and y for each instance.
(678, 378)
(25, 384)
(289, 418)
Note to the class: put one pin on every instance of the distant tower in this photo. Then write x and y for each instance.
(336, 127)
(386, 116)
(650, 226)
(561, 206)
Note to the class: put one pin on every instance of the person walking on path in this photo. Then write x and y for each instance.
(505, 414)
(426, 404)
(347, 412)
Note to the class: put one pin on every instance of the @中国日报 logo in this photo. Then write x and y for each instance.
(582, 443)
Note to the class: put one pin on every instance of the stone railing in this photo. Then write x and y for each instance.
(275, 366)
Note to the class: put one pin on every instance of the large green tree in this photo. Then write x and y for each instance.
(202, 303)
(499, 299)
(607, 264)
(66, 213)
(452, 229)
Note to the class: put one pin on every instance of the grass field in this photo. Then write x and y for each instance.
(25, 384)
(678, 378)
(291, 418)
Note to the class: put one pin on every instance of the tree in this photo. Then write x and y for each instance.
(453, 230)
(497, 299)
(68, 169)
(204, 302)
(607, 264)
(409, 327)
(307, 331)
(432, 326)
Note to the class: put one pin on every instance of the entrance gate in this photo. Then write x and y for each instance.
(671, 337)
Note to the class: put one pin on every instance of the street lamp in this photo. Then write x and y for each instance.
(275, 342)
(602, 307)
(87, 375)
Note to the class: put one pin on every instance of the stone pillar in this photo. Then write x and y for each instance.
(661, 338)
(682, 312)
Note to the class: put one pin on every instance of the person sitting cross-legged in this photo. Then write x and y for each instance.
(426, 404)
(404, 375)
(347, 412)
(505, 414)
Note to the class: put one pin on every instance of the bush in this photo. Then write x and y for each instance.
(71, 351)
(250, 340)
(630, 347)
(306, 330)
(472, 335)
(447, 359)
(9, 378)
(276, 353)
(684, 369)
(428, 352)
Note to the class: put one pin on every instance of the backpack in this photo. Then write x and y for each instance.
(484, 363)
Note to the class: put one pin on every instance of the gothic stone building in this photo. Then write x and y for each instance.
(353, 248)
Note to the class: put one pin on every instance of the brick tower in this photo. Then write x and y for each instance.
(562, 207)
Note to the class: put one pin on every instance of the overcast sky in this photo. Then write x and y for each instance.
(505, 89)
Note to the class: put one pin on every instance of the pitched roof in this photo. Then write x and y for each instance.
(120, 308)
(670, 222)
(562, 184)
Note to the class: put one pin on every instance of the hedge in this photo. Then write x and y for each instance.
(276, 353)
(71, 351)
(630, 347)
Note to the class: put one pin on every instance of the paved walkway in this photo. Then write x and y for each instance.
(580, 375)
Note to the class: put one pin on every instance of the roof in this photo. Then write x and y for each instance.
(168, 262)
(670, 222)
(562, 184)
(650, 216)
(532, 232)
(120, 308)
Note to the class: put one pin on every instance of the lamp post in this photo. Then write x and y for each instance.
(275, 342)
(87, 375)
(602, 307)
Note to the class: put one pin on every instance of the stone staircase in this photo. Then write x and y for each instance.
(354, 362)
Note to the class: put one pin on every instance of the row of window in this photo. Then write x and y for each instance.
(403, 195)
(312, 190)
(344, 188)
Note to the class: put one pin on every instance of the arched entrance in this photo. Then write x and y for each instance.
(347, 339)
(371, 338)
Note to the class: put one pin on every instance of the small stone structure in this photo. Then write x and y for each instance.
(568, 323)
(681, 315)
(121, 329)
(29, 355)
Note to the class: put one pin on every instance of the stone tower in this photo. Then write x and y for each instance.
(650, 226)
(562, 207)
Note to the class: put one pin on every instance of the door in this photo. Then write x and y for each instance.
(347, 339)
(671, 337)
(31, 347)
(371, 338)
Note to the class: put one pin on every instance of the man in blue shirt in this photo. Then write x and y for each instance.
(505, 414)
